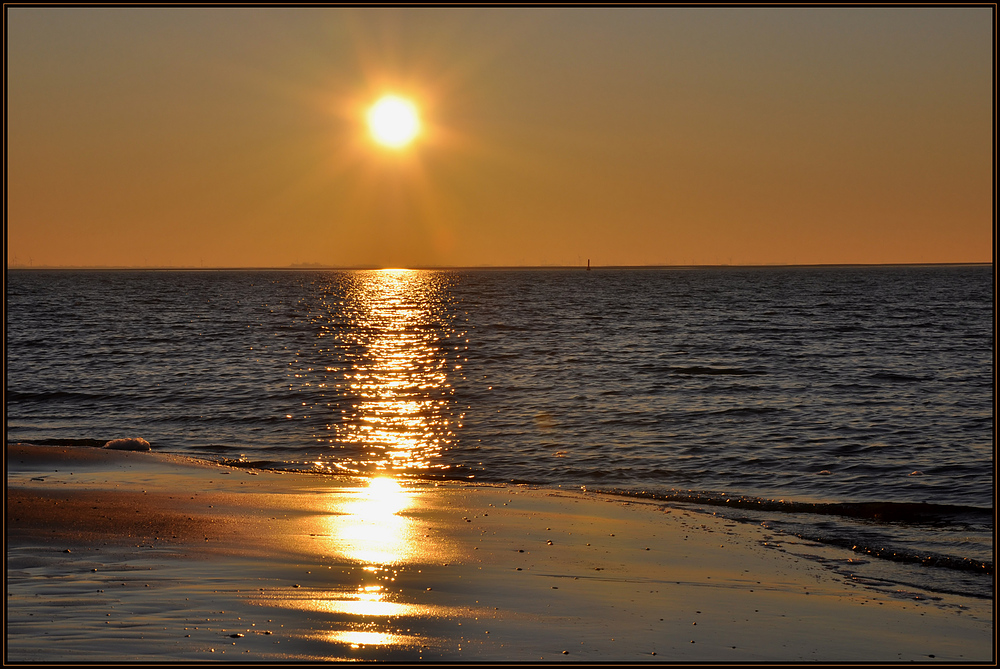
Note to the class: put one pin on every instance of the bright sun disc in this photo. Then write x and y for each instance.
(393, 121)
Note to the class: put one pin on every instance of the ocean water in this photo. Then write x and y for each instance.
(849, 406)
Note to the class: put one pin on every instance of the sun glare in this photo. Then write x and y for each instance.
(393, 121)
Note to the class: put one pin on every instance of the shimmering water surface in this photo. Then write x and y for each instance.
(843, 404)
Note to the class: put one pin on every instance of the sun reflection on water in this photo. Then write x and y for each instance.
(400, 419)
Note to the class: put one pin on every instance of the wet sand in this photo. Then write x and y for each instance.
(119, 556)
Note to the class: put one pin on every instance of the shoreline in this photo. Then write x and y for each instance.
(116, 555)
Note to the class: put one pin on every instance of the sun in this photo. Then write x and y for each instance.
(393, 121)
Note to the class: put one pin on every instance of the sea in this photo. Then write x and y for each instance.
(848, 406)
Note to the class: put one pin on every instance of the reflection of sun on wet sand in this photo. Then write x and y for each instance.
(371, 528)
(136, 556)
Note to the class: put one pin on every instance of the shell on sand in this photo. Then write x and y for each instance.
(132, 444)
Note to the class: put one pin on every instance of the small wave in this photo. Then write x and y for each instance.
(253, 464)
(894, 376)
(122, 444)
(95, 443)
(933, 515)
(735, 371)
(747, 410)
(896, 555)
(852, 387)
(15, 396)
(223, 448)
(513, 328)
(889, 512)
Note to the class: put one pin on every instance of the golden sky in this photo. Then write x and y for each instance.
(647, 136)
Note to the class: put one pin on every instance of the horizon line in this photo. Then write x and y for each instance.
(320, 267)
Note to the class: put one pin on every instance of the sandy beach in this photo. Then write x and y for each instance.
(121, 556)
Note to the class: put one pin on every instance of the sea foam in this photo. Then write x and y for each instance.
(130, 444)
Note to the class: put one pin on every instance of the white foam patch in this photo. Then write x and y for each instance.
(131, 444)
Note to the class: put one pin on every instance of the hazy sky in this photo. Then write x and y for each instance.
(236, 137)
